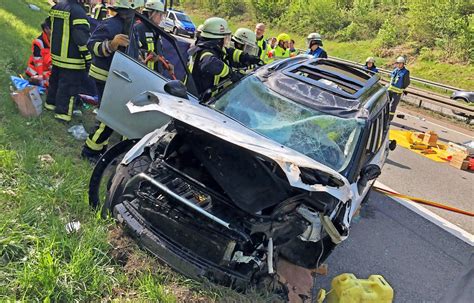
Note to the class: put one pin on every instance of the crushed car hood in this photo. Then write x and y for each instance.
(225, 128)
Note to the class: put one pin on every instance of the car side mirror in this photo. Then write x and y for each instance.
(368, 173)
(176, 88)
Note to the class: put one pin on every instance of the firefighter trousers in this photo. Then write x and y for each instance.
(97, 141)
(64, 85)
(394, 100)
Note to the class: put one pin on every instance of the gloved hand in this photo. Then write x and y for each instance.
(254, 60)
(119, 40)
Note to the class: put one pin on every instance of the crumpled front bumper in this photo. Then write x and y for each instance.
(164, 249)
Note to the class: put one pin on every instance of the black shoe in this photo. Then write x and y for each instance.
(92, 156)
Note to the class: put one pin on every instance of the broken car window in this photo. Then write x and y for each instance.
(328, 139)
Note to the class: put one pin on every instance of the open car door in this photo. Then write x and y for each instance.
(128, 78)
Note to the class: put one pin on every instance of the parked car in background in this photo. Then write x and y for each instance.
(179, 23)
(463, 96)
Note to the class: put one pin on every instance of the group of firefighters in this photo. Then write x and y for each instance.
(73, 54)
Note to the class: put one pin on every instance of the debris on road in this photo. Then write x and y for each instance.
(73, 227)
(78, 132)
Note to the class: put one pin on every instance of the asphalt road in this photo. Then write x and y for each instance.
(412, 174)
(417, 258)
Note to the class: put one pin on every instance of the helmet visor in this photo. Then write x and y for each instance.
(251, 49)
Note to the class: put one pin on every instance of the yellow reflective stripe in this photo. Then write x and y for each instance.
(63, 117)
(59, 14)
(94, 146)
(83, 48)
(236, 55)
(67, 60)
(98, 73)
(225, 71)
(71, 106)
(395, 89)
(151, 48)
(95, 49)
(65, 42)
(88, 57)
(69, 65)
(49, 106)
(80, 21)
(98, 132)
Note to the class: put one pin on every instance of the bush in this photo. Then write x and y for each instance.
(388, 35)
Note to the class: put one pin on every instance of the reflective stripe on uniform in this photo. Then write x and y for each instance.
(98, 73)
(150, 48)
(395, 89)
(63, 117)
(80, 21)
(83, 48)
(225, 71)
(236, 55)
(68, 65)
(92, 143)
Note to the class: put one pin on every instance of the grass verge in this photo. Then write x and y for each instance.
(39, 194)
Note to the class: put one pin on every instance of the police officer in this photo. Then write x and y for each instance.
(150, 43)
(399, 81)
(281, 50)
(70, 57)
(315, 44)
(110, 36)
(212, 60)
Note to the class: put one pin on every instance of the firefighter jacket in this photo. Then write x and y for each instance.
(99, 45)
(317, 53)
(211, 64)
(399, 80)
(69, 34)
(39, 63)
(149, 42)
(99, 12)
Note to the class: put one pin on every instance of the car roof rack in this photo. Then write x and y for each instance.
(338, 78)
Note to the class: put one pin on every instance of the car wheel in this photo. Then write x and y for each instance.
(175, 31)
(461, 99)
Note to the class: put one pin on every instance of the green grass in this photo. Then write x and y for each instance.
(457, 75)
(39, 261)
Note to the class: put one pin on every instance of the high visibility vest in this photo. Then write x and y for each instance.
(278, 53)
(70, 31)
(262, 45)
(39, 63)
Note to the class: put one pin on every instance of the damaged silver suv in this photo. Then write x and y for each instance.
(272, 168)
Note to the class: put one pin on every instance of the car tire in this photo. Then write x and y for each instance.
(175, 31)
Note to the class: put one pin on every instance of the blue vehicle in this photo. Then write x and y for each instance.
(179, 23)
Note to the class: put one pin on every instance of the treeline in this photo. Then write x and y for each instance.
(423, 25)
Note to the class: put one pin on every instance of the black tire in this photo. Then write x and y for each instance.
(120, 179)
(175, 31)
(107, 162)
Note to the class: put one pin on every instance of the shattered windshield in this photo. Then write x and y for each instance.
(327, 139)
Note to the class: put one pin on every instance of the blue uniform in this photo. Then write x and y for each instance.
(399, 81)
(317, 53)
(372, 69)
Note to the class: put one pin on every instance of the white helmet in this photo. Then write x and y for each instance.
(248, 39)
(133, 4)
(155, 5)
(314, 37)
(401, 60)
(370, 59)
(215, 28)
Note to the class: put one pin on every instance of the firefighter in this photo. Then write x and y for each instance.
(315, 44)
(399, 81)
(246, 41)
(281, 51)
(70, 57)
(99, 11)
(198, 33)
(212, 60)
(39, 64)
(370, 65)
(150, 43)
(261, 42)
(110, 36)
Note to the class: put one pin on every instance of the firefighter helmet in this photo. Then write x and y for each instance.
(370, 59)
(283, 37)
(314, 37)
(133, 4)
(215, 28)
(401, 60)
(155, 5)
(247, 39)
